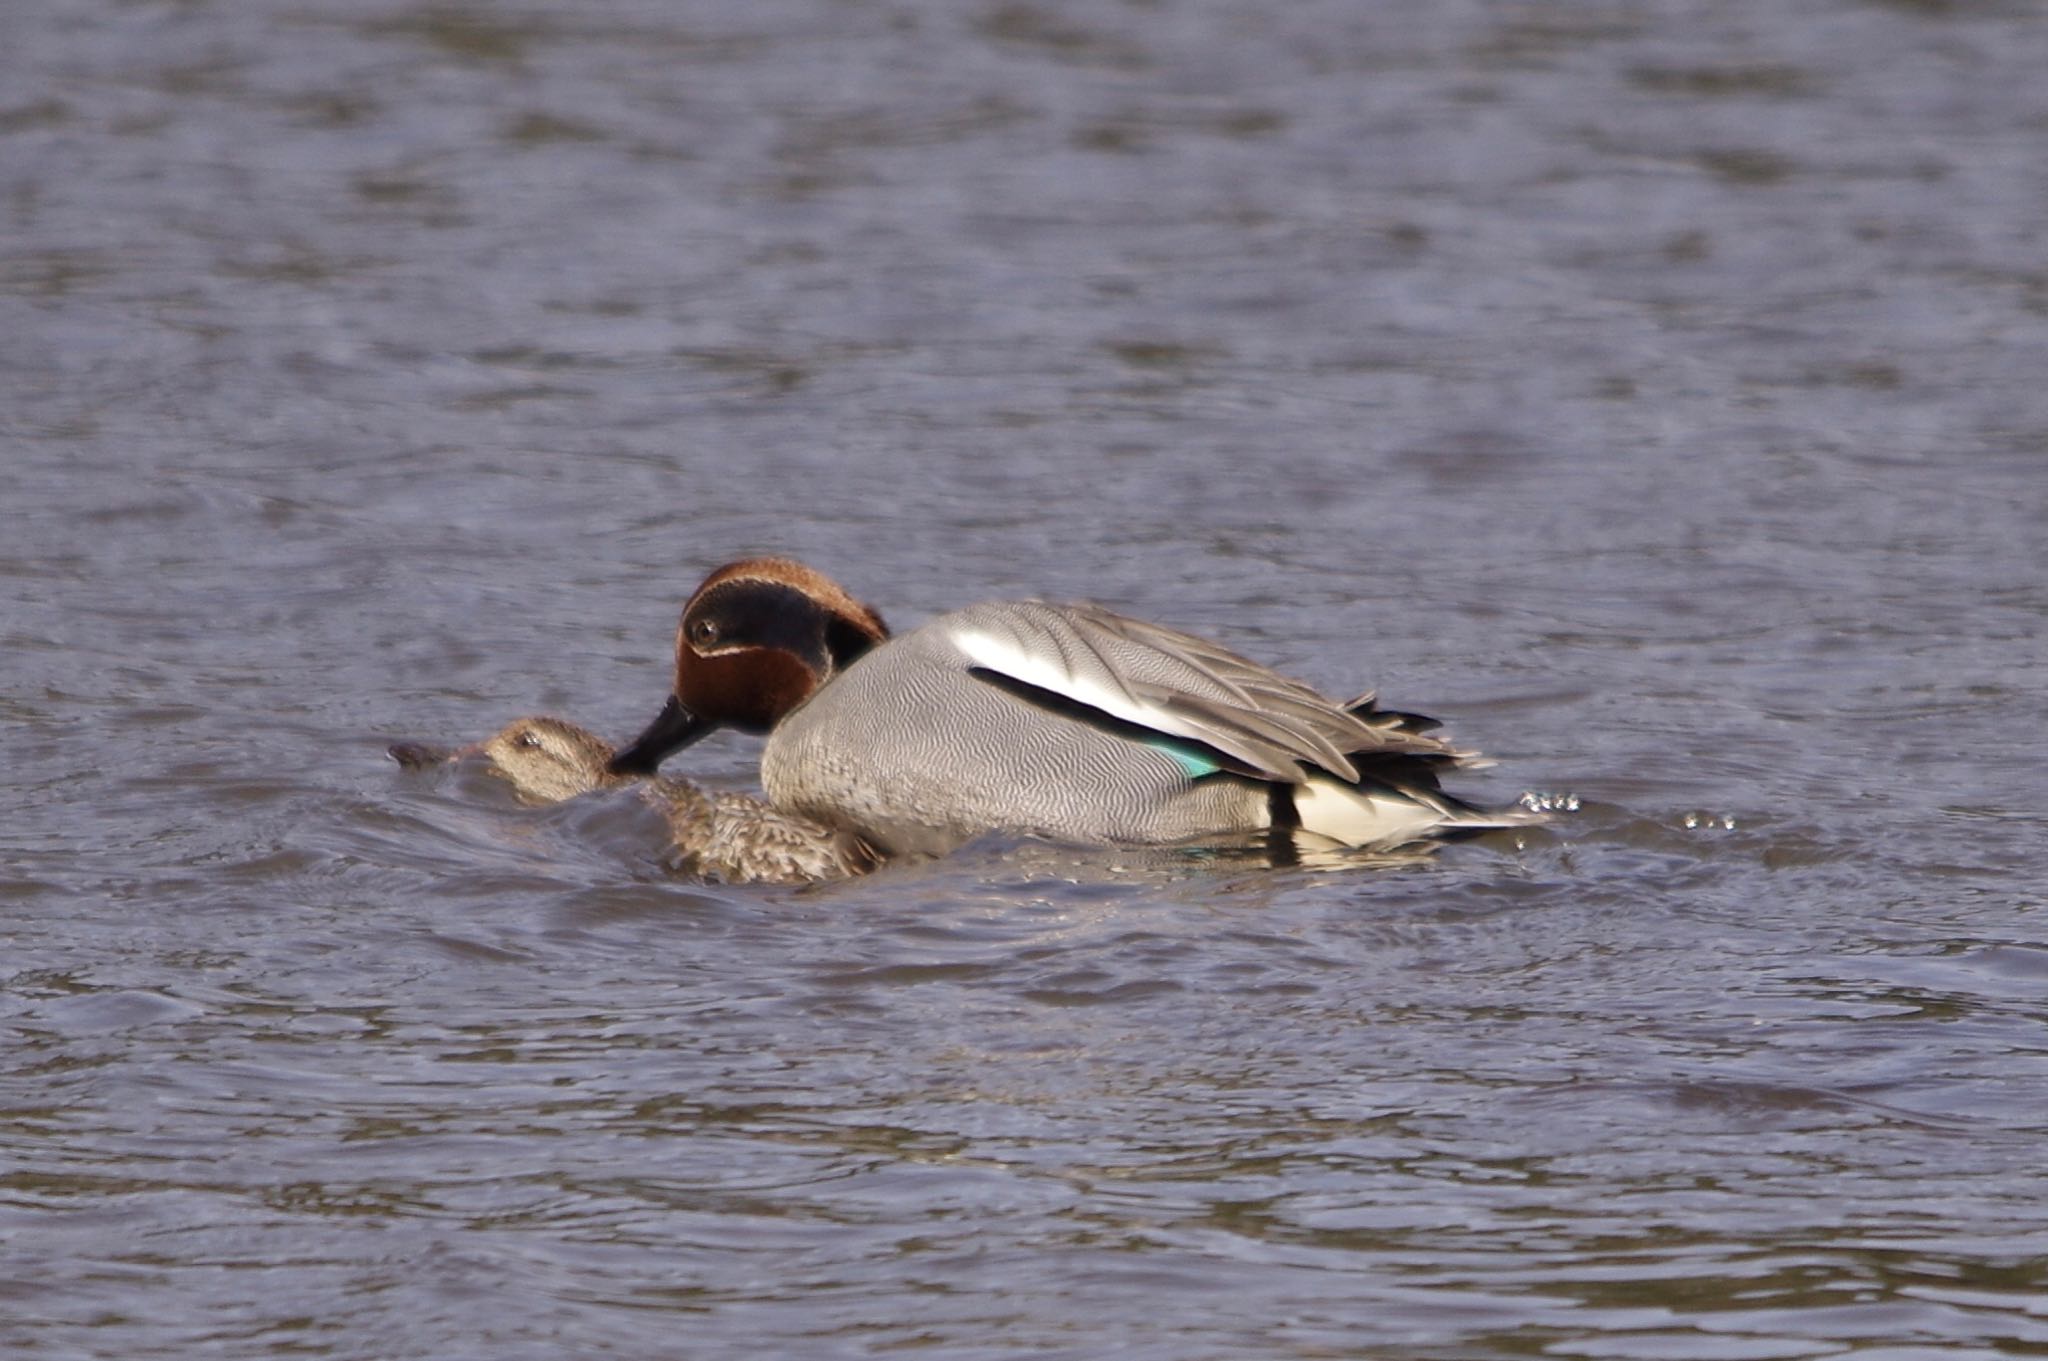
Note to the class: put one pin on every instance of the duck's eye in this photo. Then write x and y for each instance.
(703, 633)
(529, 740)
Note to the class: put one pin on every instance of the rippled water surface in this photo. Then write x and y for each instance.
(1653, 390)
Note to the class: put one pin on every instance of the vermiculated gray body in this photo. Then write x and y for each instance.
(915, 753)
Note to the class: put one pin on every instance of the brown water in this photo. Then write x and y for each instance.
(1652, 390)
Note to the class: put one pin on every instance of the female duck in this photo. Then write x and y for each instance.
(728, 837)
(1064, 721)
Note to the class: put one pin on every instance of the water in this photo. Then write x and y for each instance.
(1651, 390)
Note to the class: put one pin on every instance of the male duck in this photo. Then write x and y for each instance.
(1065, 721)
(728, 837)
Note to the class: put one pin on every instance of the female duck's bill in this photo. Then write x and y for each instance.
(1066, 721)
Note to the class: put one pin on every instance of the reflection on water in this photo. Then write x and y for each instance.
(1653, 396)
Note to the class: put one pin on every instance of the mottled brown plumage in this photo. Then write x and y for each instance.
(724, 836)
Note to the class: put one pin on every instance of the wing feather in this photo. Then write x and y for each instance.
(1182, 686)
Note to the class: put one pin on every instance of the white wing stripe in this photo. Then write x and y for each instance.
(1182, 686)
(1005, 656)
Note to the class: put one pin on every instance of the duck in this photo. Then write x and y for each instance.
(729, 837)
(1064, 721)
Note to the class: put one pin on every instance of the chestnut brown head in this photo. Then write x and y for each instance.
(756, 639)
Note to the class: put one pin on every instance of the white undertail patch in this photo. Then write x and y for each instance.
(1361, 817)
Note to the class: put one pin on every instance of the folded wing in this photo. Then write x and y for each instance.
(1138, 675)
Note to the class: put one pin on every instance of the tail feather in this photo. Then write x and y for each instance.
(1366, 708)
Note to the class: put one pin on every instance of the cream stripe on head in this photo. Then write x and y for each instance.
(813, 583)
